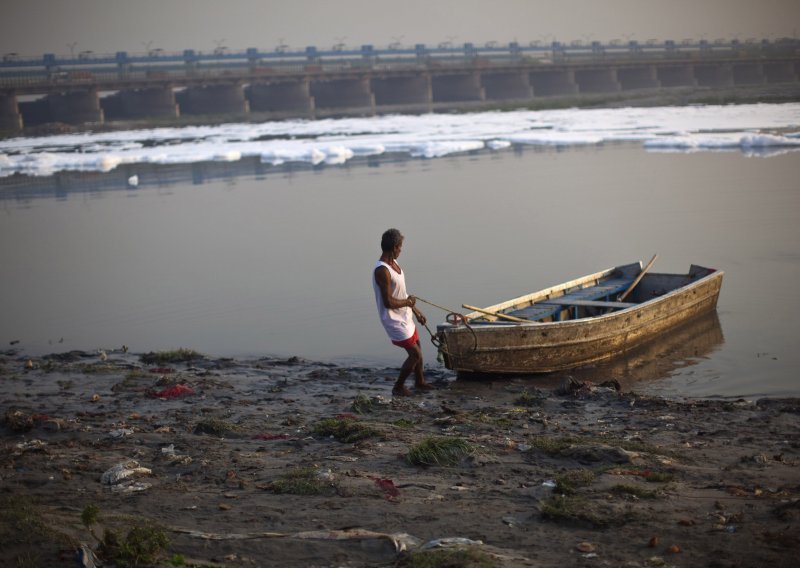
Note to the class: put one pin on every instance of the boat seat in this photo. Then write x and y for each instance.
(551, 306)
(605, 290)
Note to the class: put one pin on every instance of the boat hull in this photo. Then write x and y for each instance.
(553, 346)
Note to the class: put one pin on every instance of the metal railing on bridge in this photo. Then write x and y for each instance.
(90, 68)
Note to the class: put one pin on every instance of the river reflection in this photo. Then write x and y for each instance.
(671, 352)
(135, 177)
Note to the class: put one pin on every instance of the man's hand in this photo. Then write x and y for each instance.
(420, 317)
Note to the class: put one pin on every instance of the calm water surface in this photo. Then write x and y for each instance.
(255, 261)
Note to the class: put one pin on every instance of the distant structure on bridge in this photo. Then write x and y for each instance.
(310, 83)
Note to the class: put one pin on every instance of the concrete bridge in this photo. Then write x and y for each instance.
(314, 84)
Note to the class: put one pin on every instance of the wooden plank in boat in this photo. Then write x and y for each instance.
(607, 288)
(535, 312)
(586, 303)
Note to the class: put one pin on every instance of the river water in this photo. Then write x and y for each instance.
(242, 258)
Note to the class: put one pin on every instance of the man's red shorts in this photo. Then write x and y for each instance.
(410, 342)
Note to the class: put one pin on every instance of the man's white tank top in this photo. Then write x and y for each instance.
(398, 323)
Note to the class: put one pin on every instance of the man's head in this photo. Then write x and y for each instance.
(391, 239)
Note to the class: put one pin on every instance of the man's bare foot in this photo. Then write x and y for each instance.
(400, 390)
(424, 386)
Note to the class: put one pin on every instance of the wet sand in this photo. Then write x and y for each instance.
(570, 474)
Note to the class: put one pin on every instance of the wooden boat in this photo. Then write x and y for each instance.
(577, 322)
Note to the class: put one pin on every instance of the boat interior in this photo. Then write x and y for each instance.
(593, 296)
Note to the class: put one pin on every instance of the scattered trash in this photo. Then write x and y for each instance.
(585, 547)
(29, 364)
(31, 445)
(86, 557)
(168, 450)
(674, 549)
(120, 432)
(95, 398)
(131, 487)
(342, 458)
(450, 541)
(325, 475)
(176, 391)
(549, 483)
(133, 181)
(122, 471)
(653, 542)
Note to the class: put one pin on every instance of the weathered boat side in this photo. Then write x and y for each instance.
(545, 347)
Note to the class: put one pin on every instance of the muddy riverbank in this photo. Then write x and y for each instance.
(181, 459)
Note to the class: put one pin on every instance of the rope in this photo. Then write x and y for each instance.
(456, 319)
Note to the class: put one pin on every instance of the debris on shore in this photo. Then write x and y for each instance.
(199, 461)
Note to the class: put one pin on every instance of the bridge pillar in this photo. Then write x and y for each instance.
(638, 78)
(343, 93)
(748, 74)
(414, 90)
(75, 107)
(213, 99)
(597, 81)
(548, 83)
(676, 76)
(781, 72)
(293, 97)
(10, 118)
(35, 112)
(714, 75)
(457, 88)
(141, 103)
(500, 86)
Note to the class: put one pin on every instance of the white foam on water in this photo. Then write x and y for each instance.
(755, 130)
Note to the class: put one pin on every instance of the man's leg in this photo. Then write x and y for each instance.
(419, 374)
(410, 365)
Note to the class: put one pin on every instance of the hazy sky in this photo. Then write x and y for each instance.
(34, 27)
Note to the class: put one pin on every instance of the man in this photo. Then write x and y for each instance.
(395, 308)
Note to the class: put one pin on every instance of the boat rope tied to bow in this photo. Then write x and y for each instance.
(453, 318)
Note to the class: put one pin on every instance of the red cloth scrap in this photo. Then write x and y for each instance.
(267, 436)
(388, 486)
(176, 391)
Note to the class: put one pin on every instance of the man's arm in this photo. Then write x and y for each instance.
(384, 281)
(420, 316)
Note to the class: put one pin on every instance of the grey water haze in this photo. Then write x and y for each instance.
(280, 263)
(34, 27)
